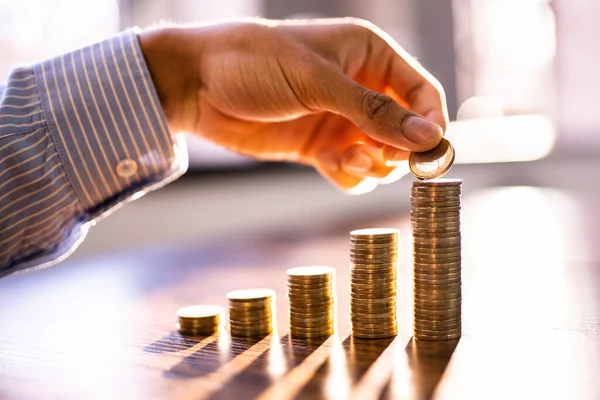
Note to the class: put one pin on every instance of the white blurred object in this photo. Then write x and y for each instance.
(32, 30)
(501, 139)
(479, 107)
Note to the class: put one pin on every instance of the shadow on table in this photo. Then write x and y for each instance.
(173, 343)
(345, 368)
(428, 361)
(272, 365)
(210, 357)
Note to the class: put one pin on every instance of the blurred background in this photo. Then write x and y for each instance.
(520, 79)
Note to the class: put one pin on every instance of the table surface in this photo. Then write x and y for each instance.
(104, 328)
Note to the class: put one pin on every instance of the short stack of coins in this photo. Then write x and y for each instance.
(199, 320)
(374, 257)
(311, 292)
(435, 221)
(251, 312)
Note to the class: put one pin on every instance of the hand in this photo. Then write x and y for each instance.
(338, 94)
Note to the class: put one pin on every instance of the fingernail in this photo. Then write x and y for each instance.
(360, 162)
(421, 131)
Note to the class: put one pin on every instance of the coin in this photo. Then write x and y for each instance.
(374, 286)
(247, 334)
(313, 271)
(311, 295)
(437, 183)
(374, 232)
(248, 295)
(299, 333)
(433, 163)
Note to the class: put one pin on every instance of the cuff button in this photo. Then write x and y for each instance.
(127, 168)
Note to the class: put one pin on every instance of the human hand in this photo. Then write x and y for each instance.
(336, 94)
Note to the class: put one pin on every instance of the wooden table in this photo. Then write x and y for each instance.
(105, 328)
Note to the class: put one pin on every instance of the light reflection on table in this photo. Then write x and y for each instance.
(531, 312)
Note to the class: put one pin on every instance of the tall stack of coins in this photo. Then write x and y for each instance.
(251, 312)
(312, 301)
(199, 320)
(435, 220)
(374, 257)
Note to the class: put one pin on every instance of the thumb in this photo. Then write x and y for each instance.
(380, 116)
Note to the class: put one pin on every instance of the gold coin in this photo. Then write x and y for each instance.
(316, 330)
(374, 232)
(373, 280)
(374, 285)
(257, 325)
(441, 291)
(424, 222)
(433, 163)
(310, 295)
(311, 272)
(435, 234)
(445, 323)
(436, 183)
(312, 311)
(369, 316)
(312, 317)
(437, 332)
(250, 295)
(373, 311)
(310, 335)
(424, 255)
(250, 317)
(327, 287)
(373, 333)
(447, 317)
(434, 198)
(441, 313)
(248, 334)
(374, 246)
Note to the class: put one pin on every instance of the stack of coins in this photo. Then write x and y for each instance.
(199, 320)
(312, 301)
(374, 257)
(251, 312)
(435, 220)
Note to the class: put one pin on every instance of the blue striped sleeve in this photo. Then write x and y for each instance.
(80, 135)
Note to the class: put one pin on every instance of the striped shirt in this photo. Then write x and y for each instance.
(80, 135)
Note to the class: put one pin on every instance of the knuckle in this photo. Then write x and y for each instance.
(376, 105)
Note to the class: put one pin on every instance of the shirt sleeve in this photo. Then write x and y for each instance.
(80, 135)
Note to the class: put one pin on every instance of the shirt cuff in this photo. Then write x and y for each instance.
(107, 124)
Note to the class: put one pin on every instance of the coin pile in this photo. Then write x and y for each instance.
(199, 320)
(374, 257)
(435, 221)
(251, 312)
(311, 294)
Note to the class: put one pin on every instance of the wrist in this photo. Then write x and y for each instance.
(173, 59)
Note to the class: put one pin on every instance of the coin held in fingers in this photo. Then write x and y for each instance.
(433, 163)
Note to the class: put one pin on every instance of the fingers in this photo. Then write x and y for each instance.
(364, 161)
(358, 169)
(411, 81)
(378, 115)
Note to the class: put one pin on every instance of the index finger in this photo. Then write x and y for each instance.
(412, 83)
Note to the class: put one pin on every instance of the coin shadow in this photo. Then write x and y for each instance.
(209, 358)
(428, 361)
(172, 343)
(356, 357)
(270, 366)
